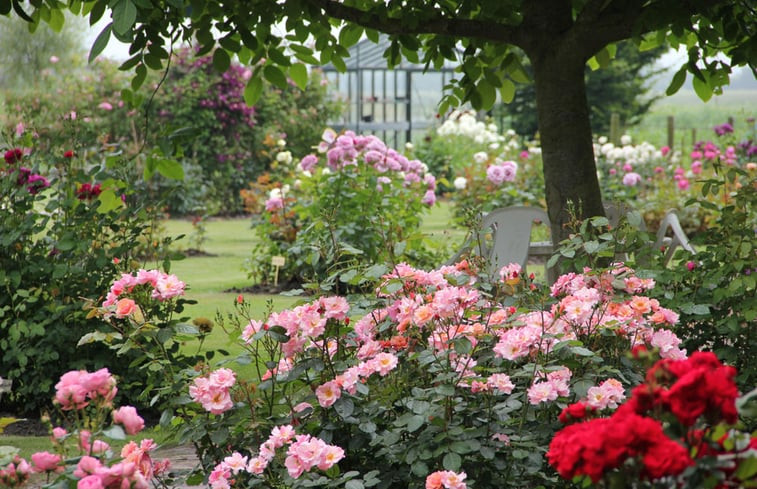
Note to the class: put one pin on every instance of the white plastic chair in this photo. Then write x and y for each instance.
(505, 237)
(670, 223)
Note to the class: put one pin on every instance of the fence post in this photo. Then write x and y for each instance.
(693, 136)
(671, 131)
(615, 128)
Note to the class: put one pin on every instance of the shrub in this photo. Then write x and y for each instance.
(674, 431)
(62, 224)
(360, 207)
(222, 137)
(443, 373)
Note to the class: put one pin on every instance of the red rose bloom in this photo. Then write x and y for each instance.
(13, 155)
(68, 154)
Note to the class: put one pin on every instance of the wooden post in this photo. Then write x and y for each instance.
(615, 129)
(693, 136)
(730, 120)
(671, 131)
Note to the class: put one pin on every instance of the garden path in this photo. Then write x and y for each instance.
(183, 460)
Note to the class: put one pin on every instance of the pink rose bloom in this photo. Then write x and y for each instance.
(105, 106)
(167, 287)
(631, 179)
(128, 417)
(683, 184)
(90, 482)
(429, 198)
(501, 383)
(274, 203)
(144, 277)
(541, 392)
(665, 150)
(59, 433)
(308, 162)
(330, 455)
(495, 174)
(328, 393)
(125, 307)
(222, 378)
(46, 462)
(87, 466)
(696, 167)
(510, 169)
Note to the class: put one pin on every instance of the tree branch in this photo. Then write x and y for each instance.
(439, 25)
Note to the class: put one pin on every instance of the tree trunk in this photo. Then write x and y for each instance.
(570, 172)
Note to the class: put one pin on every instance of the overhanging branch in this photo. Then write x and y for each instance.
(452, 27)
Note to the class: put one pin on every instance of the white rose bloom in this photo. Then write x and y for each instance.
(285, 189)
(297, 183)
(625, 139)
(409, 146)
(325, 171)
(275, 193)
(494, 146)
(535, 150)
(284, 157)
(281, 143)
(460, 183)
(306, 174)
(510, 133)
(480, 157)
(602, 140)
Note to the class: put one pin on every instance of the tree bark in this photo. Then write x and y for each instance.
(570, 172)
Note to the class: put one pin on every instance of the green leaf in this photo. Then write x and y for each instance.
(344, 407)
(507, 91)
(57, 19)
(170, 169)
(108, 201)
(124, 16)
(581, 351)
(221, 60)
(253, 90)
(274, 75)
(452, 461)
(415, 422)
(702, 89)
(354, 484)
(677, 82)
(140, 74)
(747, 469)
(488, 94)
(350, 35)
(299, 74)
(100, 42)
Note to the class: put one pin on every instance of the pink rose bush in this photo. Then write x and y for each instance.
(345, 201)
(80, 454)
(442, 379)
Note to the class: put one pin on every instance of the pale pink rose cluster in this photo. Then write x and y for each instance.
(303, 325)
(553, 386)
(16, 473)
(164, 287)
(446, 479)
(382, 363)
(608, 394)
(304, 453)
(587, 303)
(501, 172)
(77, 388)
(350, 149)
(213, 390)
(134, 471)
(128, 417)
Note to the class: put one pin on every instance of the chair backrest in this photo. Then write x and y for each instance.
(615, 211)
(671, 223)
(505, 235)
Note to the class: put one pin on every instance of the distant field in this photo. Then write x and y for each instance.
(691, 113)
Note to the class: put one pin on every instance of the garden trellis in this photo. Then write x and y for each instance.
(390, 103)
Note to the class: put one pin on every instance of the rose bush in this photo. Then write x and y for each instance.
(81, 456)
(676, 430)
(63, 219)
(444, 378)
(356, 204)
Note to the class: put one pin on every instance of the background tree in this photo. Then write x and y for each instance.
(43, 49)
(622, 87)
(558, 36)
